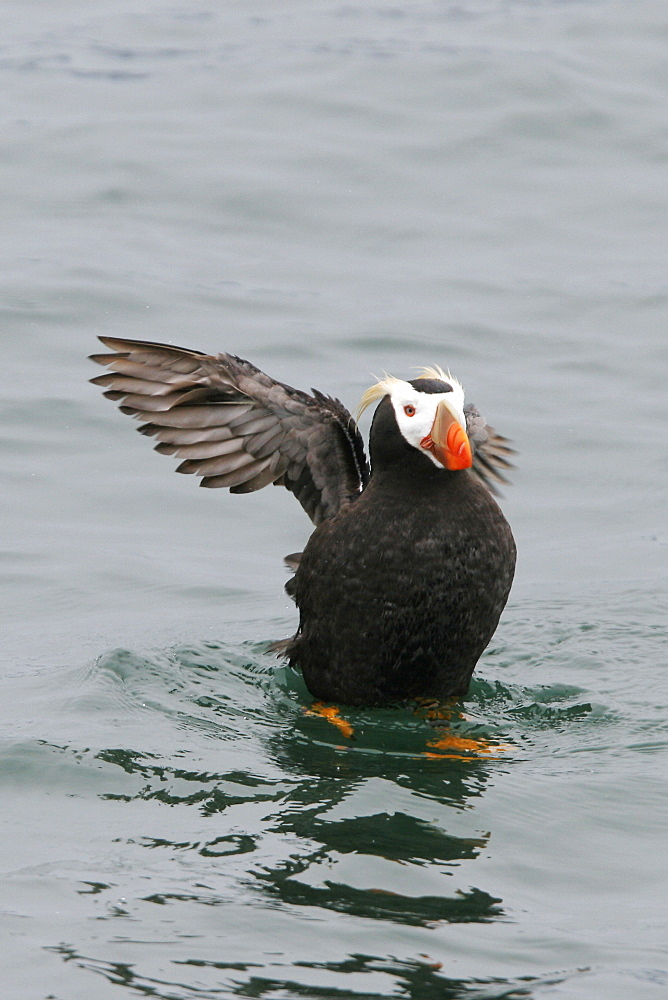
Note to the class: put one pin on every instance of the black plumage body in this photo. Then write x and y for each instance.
(401, 591)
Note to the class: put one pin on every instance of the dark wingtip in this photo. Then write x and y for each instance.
(124, 347)
(102, 359)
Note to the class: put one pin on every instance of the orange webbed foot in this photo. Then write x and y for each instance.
(332, 714)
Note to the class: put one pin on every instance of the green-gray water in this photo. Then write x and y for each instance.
(332, 190)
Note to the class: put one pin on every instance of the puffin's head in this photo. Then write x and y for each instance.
(429, 414)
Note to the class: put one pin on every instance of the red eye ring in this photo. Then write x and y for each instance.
(409, 410)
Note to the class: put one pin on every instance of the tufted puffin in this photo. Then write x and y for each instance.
(402, 582)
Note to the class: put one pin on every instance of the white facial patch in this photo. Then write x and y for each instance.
(415, 411)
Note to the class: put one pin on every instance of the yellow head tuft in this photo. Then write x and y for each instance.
(376, 392)
(437, 372)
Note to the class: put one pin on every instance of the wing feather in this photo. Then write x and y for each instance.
(218, 466)
(180, 435)
(235, 426)
(257, 482)
(236, 477)
(182, 416)
(207, 449)
(490, 450)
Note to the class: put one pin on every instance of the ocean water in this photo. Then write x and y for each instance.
(333, 191)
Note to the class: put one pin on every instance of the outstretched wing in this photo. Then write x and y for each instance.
(235, 426)
(490, 450)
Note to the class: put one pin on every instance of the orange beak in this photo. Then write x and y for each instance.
(448, 440)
